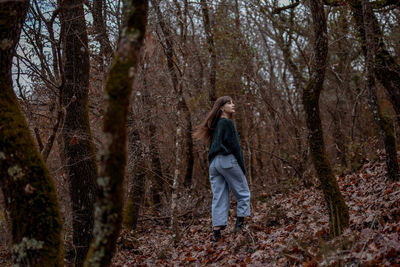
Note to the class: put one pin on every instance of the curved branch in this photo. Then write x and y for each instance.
(283, 8)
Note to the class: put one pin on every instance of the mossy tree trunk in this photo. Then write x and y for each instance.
(108, 211)
(382, 122)
(387, 70)
(78, 145)
(138, 173)
(29, 191)
(338, 210)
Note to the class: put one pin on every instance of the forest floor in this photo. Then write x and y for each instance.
(285, 229)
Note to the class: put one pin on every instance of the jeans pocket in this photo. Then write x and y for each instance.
(226, 162)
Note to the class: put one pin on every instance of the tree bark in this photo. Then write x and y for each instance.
(387, 71)
(177, 85)
(106, 51)
(189, 156)
(26, 183)
(138, 174)
(155, 162)
(382, 122)
(338, 210)
(212, 93)
(78, 145)
(156, 168)
(108, 211)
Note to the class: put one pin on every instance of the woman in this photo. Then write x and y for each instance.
(227, 170)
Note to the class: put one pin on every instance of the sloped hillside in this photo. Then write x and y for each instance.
(285, 230)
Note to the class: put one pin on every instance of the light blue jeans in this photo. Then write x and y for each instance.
(225, 174)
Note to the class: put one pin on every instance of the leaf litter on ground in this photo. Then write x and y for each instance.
(290, 229)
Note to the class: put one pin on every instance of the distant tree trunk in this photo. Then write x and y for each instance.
(45, 152)
(189, 156)
(174, 196)
(259, 157)
(338, 210)
(382, 122)
(138, 174)
(78, 145)
(155, 167)
(169, 52)
(108, 215)
(106, 51)
(387, 70)
(212, 93)
(155, 162)
(339, 138)
(29, 190)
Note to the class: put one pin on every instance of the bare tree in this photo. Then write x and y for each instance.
(137, 171)
(99, 22)
(382, 122)
(338, 211)
(387, 70)
(78, 145)
(26, 182)
(212, 93)
(108, 211)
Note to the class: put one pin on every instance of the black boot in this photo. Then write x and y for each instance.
(216, 235)
(239, 224)
(217, 232)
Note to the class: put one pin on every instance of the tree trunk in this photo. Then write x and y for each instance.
(338, 210)
(26, 183)
(78, 145)
(189, 156)
(339, 138)
(108, 215)
(138, 174)
(156, 168)
(382, 122)
(177, 85)
(387, 71)
(106, 51)
(212, 93)
(155, 162)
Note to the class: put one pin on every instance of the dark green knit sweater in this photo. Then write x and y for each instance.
(226, 141)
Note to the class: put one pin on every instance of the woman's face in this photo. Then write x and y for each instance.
(228, 108)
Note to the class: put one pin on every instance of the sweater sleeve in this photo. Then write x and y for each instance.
(231, 138)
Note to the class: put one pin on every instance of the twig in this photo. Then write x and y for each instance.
(145, 218)
(365, 244)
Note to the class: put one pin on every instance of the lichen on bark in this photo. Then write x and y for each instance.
(108, 210)
(27, 186)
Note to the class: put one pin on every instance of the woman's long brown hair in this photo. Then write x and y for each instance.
(205, 130)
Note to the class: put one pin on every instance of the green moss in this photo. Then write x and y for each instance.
(337, 208)
(108, 211)
(34, 216)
